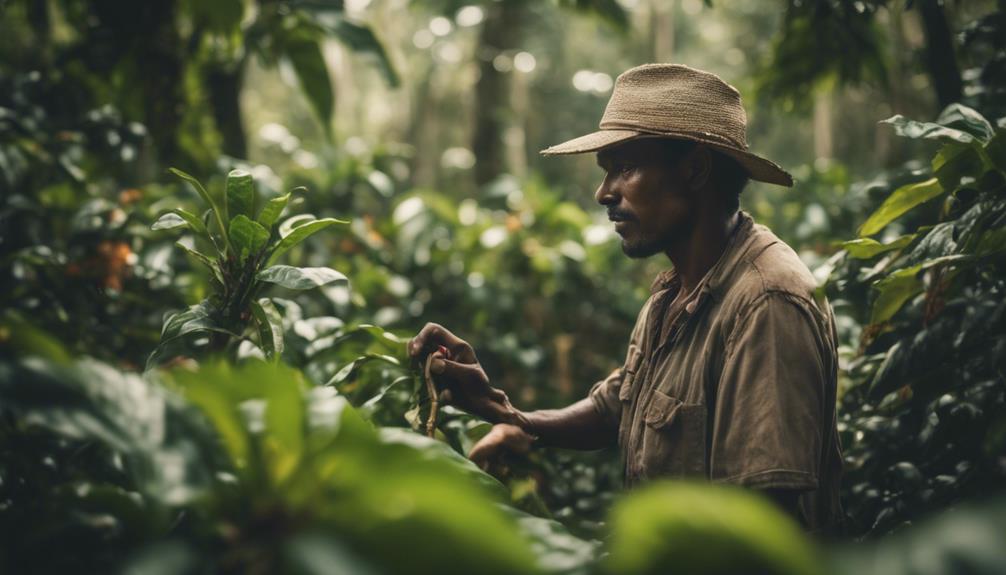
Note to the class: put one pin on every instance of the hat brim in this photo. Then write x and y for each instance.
(758, 168)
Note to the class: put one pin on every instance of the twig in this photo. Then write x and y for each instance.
(431, 390)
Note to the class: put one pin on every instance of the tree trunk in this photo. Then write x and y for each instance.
(225, 100)
(500, 33)
(940, 55)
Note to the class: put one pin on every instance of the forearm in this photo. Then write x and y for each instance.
(578, 426)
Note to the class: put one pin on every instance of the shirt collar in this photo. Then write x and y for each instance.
(714, 278)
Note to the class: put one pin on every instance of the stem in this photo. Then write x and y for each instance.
(431, 389)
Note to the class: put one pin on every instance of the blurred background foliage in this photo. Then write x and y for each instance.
(419, 122)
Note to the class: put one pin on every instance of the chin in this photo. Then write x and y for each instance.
(640, 250)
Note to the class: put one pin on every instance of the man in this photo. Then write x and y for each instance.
(731, 368)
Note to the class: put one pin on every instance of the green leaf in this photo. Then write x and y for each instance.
(344, 372)
(308, 62)
(287, 225)
(902, 285)
(927, 130)
(270, 327)
(954, 161)
(247, 237)
(240, 194)
(168, 221)
(900, 201)
(300, 278)
(996, 150)
(961, 117)
(866, 248)
(299, 234)
(361, 39)
(194, 222)
(272, 210)
(205, 195)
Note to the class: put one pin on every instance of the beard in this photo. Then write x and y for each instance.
(640, 248)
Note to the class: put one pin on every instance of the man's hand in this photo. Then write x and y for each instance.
(467, 385)
(501, 440)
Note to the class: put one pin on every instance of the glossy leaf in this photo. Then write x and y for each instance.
(247, 237)
(900, 286)
(300, 278)
(866, 248)
(927, 130)
(272, 211)
(900, 201)
(240, 194)
(270, 327)
(168, 221)
(961, 117)
(300, 234)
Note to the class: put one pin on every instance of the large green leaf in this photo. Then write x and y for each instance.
(699, 528)
(965, 119)
(865, 248)
(272, 210)
(248, 237)
(299, 234)
(308, 62)
(900, 201)
(240, 194)
(954, 161)
(300, 278)
(270, 327)
(927, 130)
(900, 286)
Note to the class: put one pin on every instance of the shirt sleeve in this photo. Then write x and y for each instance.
(767, 424)
(605, 393)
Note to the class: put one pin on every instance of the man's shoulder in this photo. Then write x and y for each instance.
(769, 266)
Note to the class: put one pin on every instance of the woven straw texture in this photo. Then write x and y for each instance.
(676, 101)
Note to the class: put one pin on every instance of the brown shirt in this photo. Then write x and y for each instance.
(735, 382)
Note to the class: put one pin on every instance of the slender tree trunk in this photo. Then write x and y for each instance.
(225, 99)
(940, 55)
(500, 33)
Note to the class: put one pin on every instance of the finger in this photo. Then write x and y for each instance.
(453, 371)
(434, 335)
(483, 452)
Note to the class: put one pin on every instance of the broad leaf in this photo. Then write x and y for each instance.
(346, 370)
(270, 327)
(927, 130)
(247, 237)
(961, 117)
(299, 234)
(902, 285)
(168, 221)
(300, 278)
(309, 63)
(203, 259)
(272, 210)
(287, 225)
(865, 248)
(194, 222)
(240, 194)
(900, 201)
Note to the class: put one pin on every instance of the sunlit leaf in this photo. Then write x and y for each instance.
(240, 194)
(900, 286)
(300, 278)
(961, 117)
(927, 130)
(865, 248)
(309, 63)
(272, 210)
(900, 201)
(299, 234)
(168, 221)
(248, 237)
(205, 195)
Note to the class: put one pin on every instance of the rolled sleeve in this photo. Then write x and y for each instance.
(604, 395)
(769, 404)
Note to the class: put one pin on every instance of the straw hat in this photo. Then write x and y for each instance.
(675, 101)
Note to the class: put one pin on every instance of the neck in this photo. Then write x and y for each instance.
(699, 251)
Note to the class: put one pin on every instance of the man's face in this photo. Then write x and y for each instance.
(644, 192)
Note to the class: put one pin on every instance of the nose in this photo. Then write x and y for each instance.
(605, 195)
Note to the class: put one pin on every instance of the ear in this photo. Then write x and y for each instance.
(698, 165)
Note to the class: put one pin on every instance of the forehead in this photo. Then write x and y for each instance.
(643, 150)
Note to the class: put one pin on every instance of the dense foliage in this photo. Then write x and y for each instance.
(192, 380)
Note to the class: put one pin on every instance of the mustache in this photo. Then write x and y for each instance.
(617, 215)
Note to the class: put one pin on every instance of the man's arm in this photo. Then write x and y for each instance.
(577, 426)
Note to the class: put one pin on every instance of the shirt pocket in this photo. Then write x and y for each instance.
(674, 438)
